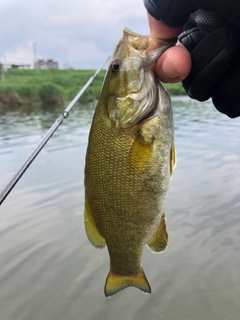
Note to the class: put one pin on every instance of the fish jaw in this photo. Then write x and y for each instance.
(133, 87)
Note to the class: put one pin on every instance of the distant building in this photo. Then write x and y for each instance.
(46, 64)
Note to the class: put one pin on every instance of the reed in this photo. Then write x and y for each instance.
(51, 94)
(8, 96)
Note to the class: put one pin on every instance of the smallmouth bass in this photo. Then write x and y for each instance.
(129, 162)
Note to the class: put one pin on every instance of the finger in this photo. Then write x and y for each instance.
(174, 65)
(159, 30)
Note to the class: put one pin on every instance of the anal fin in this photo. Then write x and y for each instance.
(91, 229)
(159, 240)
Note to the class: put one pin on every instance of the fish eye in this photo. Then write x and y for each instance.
(116, 63)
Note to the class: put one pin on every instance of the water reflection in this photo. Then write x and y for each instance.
(48, 269)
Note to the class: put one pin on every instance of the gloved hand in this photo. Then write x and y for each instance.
(213, 40)
(214, 46)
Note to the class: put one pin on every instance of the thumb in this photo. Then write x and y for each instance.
(175, 63)
(159, 30)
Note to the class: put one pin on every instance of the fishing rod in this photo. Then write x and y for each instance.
(15, 178)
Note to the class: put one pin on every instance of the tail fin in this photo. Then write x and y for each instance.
(115, 282)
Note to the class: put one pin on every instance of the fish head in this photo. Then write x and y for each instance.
(132, 85)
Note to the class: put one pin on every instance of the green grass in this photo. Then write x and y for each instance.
(29, 85)
(51, 93)
(174, 89)
(8, 94)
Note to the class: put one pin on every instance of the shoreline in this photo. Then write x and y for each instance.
(25, 87)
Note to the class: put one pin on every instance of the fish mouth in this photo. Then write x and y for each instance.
(145, 101)
(153, 47)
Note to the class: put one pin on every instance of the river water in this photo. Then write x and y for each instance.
(49, 270)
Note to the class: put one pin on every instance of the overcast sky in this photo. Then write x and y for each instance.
(76, 33)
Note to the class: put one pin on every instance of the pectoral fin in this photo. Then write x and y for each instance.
(173, 159)
(159, 240)
(91, 229)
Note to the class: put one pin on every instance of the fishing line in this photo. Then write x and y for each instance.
(15, 178)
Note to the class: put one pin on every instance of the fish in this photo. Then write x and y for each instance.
(130, 158)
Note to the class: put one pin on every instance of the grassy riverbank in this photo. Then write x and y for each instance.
(54, 86)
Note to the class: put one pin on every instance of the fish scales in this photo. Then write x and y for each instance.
(128, 168)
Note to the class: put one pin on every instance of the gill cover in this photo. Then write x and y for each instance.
(132, 83)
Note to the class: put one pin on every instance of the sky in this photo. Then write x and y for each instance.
(77, 33)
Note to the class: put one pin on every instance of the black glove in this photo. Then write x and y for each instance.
(214, 45)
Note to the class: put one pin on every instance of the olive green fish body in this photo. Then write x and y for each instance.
(127, 174)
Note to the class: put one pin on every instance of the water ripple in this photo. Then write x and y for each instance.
(48, 269)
